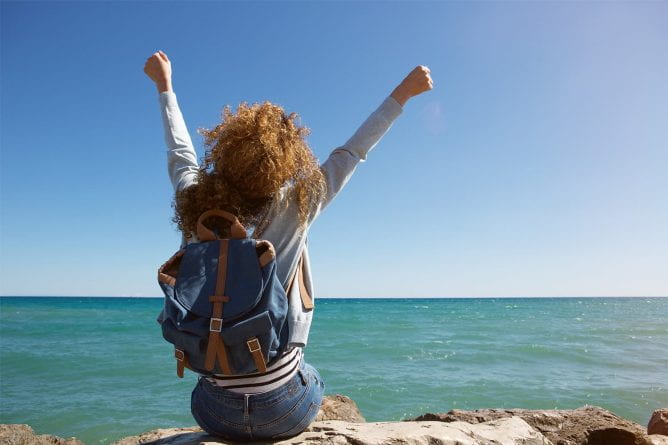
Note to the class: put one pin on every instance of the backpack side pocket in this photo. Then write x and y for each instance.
(188, 347)
(251, 344)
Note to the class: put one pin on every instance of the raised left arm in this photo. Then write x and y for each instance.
(181, 156)
(182, 163)
(159, 69)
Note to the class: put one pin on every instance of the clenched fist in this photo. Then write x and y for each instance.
(159, 69)
(418, 81)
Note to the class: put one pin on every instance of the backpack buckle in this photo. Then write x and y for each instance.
(180, 361)
(253, 345)
(216, 324)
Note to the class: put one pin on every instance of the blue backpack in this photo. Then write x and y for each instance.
(225, 309)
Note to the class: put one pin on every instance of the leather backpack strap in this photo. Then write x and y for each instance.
(181, 361)
(307, 301)
(298, 275)
(180, 356)
(216, 347)
(256, 351)
(237, 231)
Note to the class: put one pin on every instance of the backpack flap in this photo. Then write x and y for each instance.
(251, 343)
(198, 276)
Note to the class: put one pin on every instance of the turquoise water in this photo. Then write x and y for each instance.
(98, 369)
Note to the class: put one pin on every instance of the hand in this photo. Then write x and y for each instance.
(159, 69)
(417, 82)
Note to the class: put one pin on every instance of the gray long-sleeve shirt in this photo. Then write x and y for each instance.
(281, 224)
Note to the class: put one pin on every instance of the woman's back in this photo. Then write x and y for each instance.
(281, 225)
(237, 411)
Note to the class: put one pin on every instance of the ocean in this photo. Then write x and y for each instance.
(98, 368)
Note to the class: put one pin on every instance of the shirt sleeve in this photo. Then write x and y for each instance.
(182, 163)
(341, 163)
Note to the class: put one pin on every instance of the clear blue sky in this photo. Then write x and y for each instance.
(537, 166)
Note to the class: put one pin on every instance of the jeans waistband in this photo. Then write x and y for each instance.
(299, 378)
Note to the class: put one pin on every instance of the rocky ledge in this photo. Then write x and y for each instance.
(339, 422)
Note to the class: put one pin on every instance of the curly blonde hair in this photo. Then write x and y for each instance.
(251, 154)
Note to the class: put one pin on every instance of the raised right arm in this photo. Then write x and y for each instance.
(342, 162)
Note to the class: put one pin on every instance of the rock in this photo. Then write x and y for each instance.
(340, 422)
(338, 407)
(589, 425)
(509, 431)
(168, 436)
(16, 434)
(658, 423)
(658, 439)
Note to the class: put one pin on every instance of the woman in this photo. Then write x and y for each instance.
(260, 168)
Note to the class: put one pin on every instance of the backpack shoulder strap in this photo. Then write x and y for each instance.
(298, 276)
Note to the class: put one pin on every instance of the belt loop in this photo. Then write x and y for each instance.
(246, 410)
(301, 375)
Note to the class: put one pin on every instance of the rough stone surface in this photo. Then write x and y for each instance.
(658, 439)
(589, 425)
(340, 422)
(658, 423)
(510, 431)
(165, 436)
(338, 407)
(16, 434)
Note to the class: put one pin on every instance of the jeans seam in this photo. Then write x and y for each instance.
(221, 419)
(205, 426)
(212, 391)
(287, 391)
(302, 425)
(287, 414)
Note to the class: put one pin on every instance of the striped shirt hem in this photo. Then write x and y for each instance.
(276, 375)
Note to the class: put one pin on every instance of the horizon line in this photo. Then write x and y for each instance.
(363, 298)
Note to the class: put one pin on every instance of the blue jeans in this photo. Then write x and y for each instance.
(280, 413)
